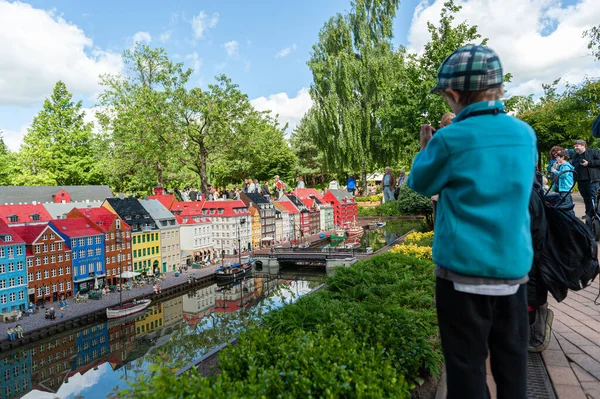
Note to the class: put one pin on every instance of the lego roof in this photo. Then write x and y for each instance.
(29, 233)
(58, 211)
(16, 194)
(168, 200)
(156, 209)
(129, 207)
(5, 230)
(76, 227)
(256, 198)
(290, 207)
(185, 220)
(211, 208)
(102, 217)
(303, 193)
(24, 213)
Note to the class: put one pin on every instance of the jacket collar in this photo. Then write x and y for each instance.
(479, 106)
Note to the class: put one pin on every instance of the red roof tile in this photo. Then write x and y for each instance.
(198, 208)
(15, 239)
(190, 220)
(303, 193)
(291, 208)
(24, 213)
(76, 227)
(102, 217)
(29, 233)
(309, 202)
(168, 200)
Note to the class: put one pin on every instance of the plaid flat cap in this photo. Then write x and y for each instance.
(470, 68)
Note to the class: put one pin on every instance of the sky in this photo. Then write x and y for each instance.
(261, 45)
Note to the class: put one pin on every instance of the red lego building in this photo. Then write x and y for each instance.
(345, 209)
(48, 263)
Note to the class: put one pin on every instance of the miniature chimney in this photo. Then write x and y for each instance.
(159, 190)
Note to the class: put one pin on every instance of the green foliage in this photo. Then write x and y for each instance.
(334, 343)
(594, 43)
(137, 118)
(370, 198)
(559, 118)
(9, 168)
(351, 66)
(412, 203)
(58, 148)
(313, 165)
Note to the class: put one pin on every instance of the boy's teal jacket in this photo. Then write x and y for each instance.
(482, 167)
(565, 181)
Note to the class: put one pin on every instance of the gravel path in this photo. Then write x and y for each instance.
(74, 310)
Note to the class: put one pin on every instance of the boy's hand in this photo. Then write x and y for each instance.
(426, 134)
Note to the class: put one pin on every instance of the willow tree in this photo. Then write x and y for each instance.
(136, 112)
(351, 66)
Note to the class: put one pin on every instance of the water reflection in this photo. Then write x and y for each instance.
(93, 361)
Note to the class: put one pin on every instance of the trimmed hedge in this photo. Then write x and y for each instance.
(371, 333)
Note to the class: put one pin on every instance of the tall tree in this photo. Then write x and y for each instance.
(351, 65)
(8, 164)
(137, 115)
(58, 147)
(313, 162)
(210, 123)
(409, 102)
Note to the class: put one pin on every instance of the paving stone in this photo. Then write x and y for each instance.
(587, 363)
(569, 392)
(554, 343)
(576, 339)
(555, 358)
(562, 375)
(566, 346)
(558, 326)
(593, 351)
(581, 374)
(592, 389)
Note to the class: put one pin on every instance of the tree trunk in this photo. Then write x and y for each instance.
(159, 175)
(203, 161)
(365, 188)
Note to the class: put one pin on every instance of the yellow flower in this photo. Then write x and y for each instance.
(416, 251)
(416, 236)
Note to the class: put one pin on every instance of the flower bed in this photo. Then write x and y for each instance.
(371, 333)
(417, 245)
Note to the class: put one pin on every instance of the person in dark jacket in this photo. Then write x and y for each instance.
(540, 317)
(587, 165)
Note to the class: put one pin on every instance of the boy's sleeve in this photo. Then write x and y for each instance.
(430, 170)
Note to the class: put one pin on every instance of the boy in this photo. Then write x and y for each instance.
(481, 166)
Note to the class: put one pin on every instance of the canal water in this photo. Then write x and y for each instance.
(378, 237)
(98, 360)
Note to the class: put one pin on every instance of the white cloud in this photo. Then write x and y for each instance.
(231, 48)
(288, 110)
(14, 138)
(286, 51)
(165, 36)
(38, 48)
(196, 61)
(141, 37)
(202, 22)
(537, 40)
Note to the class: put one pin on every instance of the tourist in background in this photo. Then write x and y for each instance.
(587, 165)
(300, 182)
(334, 185)
(566, 180)
(351, 185)
(388, 183)
(265, 190)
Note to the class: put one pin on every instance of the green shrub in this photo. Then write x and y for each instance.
(370, 198)
(412, 203)
(370, 334)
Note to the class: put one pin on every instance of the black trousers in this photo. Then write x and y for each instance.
(588, 191)
(470, 325)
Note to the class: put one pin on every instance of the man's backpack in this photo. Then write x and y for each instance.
(568, 258)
